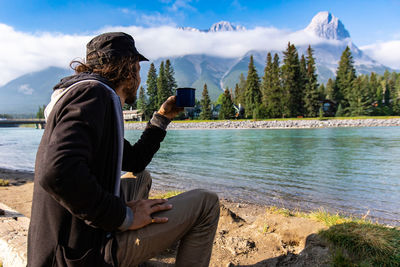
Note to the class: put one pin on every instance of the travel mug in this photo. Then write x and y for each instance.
(185, 97)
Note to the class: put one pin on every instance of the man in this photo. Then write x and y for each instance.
(83, 214)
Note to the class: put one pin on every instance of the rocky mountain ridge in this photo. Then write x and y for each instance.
(30, 91)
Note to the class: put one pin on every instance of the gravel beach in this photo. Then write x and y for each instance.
(274, 124)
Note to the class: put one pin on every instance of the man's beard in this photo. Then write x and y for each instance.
(130, 99)
(130, 92)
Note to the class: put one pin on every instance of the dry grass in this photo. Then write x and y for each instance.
(4, 182)
(283, 211)
(166, 195)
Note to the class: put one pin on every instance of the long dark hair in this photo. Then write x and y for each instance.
(116, 70)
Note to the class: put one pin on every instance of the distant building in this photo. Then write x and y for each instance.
(329, 108)
(133, 115)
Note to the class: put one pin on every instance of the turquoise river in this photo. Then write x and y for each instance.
(349, 170)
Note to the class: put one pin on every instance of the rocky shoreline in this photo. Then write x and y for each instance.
(275, 124)
(247, 235)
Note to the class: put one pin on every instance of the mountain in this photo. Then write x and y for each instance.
(327, 26)
(26, 93)
(222, 26)
(225, 26)
(30, 91)
(327, 54)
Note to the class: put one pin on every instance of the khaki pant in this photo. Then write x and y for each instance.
(193, 220)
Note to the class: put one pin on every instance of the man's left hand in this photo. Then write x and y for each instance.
(169, 108)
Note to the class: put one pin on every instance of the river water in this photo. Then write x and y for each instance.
(349, 170)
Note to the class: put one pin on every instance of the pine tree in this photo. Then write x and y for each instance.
(236, 96)
(169, 73)
(396, 97)
(330, 91)
(162, 86)
(266, 84)
(151, 84)
(272, 97)
(321, 112)
(360, 102)
(252, 93)
(240, 95)
(142, 101)
(227, 110)
(275, 105)
(205, 103)
(339, 111)
(345, 75)
(303, 72)
(312, 96)
(40, 113)
(322, 92)
(291, 83)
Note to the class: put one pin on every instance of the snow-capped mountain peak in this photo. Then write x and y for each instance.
(189, 29)
(225, 26)
(327, 26)
(222, 26)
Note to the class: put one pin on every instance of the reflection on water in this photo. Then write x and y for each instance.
(354, 170)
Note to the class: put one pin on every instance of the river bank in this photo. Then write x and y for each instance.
(248, 234)
(275, 124)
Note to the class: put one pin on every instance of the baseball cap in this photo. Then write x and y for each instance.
(110, 45)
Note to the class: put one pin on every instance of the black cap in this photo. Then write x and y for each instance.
(111, 45)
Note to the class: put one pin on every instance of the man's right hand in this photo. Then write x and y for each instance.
(142, 210)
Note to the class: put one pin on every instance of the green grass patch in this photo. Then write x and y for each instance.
(166, 195)
(30, 125)
(320, 215)
(330, 219)
(283, 211)
(355, 241)
(4, 182)
(365, 243)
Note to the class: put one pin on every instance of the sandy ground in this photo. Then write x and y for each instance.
(247, 235)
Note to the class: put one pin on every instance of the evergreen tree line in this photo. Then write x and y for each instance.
(159, 87)
(290, 89)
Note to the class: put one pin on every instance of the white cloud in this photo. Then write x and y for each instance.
(26, 89)
(387, 53)
(169, 41)
(21, 53)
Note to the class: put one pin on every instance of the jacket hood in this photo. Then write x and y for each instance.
(70, 80)
(63, 86)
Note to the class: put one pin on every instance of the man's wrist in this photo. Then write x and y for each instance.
(160, 121)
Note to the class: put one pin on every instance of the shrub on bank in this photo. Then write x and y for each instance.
(355, 241)
(4, 182)
(364, 244)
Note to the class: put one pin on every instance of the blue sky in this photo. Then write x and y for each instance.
(38, 34)
(366, 20)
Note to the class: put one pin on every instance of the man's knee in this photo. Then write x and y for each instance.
(210, 200)
(145, 176)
